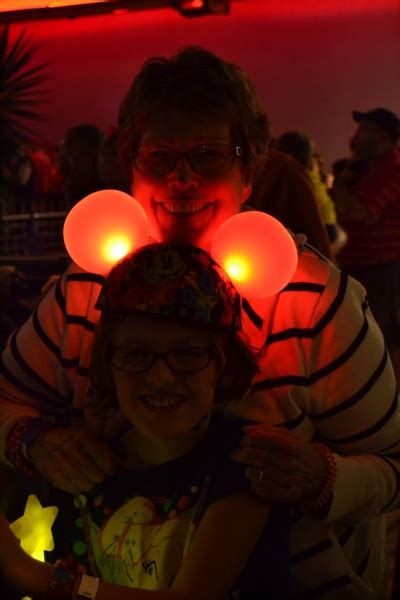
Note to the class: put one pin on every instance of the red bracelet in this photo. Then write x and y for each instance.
(24, 432)
(13, 446)
(325, 496)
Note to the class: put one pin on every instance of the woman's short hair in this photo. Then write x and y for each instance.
(195, 83)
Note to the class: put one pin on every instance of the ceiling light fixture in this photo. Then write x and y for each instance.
(196, 8)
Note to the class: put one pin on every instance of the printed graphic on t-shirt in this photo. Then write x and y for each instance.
(137, 549)
(141, 543)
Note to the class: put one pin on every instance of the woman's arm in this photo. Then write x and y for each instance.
(35, 383)
(344, 389)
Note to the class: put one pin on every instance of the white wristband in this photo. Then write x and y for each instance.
(88, 587)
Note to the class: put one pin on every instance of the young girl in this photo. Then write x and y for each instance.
(177, 518)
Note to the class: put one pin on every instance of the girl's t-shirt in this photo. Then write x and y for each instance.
(135, 528)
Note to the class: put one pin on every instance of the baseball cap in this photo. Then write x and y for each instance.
(383, 117)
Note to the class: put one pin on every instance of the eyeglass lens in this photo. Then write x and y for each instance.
(182, 360)
(204, 159)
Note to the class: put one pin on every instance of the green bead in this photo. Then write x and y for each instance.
(167, 506)
(79, 548)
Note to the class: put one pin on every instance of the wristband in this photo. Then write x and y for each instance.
(88, 587)
(323, 500)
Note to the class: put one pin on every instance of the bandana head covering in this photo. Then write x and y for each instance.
(175, 281)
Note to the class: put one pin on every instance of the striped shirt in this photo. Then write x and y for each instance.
(324, 374)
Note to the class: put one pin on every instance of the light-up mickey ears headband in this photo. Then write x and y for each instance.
(257, 253)
(254, 249)
(103, 228)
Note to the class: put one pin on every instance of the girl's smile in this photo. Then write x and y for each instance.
(165, 376)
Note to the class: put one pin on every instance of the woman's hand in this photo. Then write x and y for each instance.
(280, 466)
(73, 461)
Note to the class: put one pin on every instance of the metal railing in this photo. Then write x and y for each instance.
(31, 234)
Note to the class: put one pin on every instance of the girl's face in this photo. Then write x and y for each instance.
(159, 401)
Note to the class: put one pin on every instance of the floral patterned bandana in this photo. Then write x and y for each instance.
(175, 281)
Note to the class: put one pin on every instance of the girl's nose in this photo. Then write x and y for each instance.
(160, 373)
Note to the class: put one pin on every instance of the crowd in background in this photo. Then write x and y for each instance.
(40, 179)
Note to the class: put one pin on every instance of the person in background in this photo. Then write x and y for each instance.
(193, 134)
(284, 191)
(367, 198)
(78, 162)
(112, 174)
(300, 146)
(15, 294)
(336, 168)
(367, 195)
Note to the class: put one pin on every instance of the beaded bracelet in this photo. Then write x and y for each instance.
(321, 503)
(14, 446)
(62, 582)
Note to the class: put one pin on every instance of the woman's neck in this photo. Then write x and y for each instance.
(143, 451)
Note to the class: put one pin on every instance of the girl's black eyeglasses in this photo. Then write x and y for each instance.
(180, 360)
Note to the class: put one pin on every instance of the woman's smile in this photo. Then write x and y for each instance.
(184, 208)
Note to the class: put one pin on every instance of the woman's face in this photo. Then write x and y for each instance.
(159, 402)
(184, 205)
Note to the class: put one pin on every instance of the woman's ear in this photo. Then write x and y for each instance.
(247, 189)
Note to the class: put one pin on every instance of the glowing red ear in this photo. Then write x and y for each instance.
(104, 227)
(257, 253)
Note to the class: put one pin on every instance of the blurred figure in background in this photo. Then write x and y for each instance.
(112, 173)
(284, 191)
(15, 293)
(336, 168)
(17, 177)
(78, 160)
(301, 147)
(367, 198)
